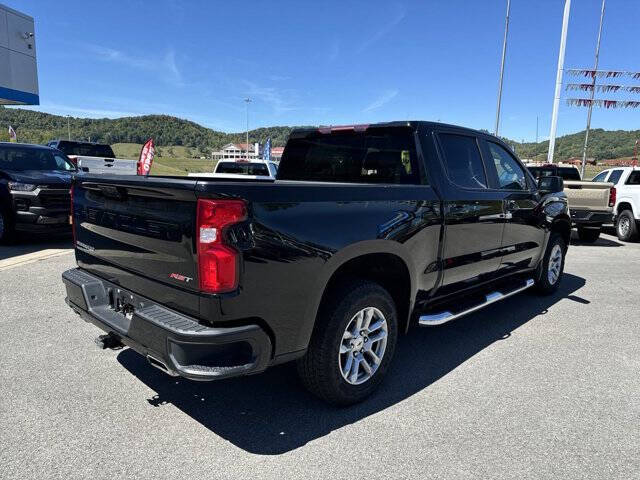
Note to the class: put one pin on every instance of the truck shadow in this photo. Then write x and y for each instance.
(25, 244)
(270, 413)
(601, 242)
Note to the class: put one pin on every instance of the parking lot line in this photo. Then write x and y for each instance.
(12, 262)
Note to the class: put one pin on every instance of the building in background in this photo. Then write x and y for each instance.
(239, 151)
(18, 71)
(276, 153)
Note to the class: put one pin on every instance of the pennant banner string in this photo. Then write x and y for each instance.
(602, 73)
(586, 102)
(588, 87)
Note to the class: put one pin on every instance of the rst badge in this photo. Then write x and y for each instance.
(180, 277)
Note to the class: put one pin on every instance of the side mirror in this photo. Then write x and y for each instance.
(550, 185)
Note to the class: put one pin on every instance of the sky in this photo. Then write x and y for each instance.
(327, 62)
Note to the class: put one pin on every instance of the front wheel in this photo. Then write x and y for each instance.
(588, 235)
(6, 228)
(551, 268)
(352, 344)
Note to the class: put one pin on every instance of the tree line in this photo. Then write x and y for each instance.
(38, 127)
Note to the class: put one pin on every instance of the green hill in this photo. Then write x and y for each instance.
(603, 144)
(38, 127)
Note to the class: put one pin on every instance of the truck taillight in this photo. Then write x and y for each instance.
(612, 197)
(71, 220)
(218, 263)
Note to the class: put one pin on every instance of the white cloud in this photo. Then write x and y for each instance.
(74, 111)
(280, 101)
(383, 99)
(166, 66)
(384, 30)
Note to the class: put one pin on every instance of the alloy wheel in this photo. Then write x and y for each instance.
(555, 264)
(363, 344)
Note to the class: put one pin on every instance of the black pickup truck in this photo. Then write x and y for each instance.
(34, 190)
(367, 231)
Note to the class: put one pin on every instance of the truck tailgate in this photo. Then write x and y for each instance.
(588, 195)
(140, 226)
(112, 166)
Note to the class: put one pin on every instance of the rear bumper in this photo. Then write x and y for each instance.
(591, 217)
(173, 342)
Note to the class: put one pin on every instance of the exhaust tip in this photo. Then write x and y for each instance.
(160, 365)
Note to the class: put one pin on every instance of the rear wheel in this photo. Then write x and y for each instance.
(551, 268)
(352, 345)
(626, 227)
(588, 235)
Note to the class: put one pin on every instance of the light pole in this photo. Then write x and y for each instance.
(247, 101)
(556, 98)
(593, 91)
(504, 54)
(68, 127)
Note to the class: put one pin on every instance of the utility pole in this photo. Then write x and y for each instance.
(247, 101)
(556, 99)
(593, 91)
(68, 127)
(504, 54)
(537, 128)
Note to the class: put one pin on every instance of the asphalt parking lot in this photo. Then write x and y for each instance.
(528, 388)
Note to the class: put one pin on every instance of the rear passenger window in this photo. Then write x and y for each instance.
(615, 176)
(511, 176)
(463, 161)
(634, 178)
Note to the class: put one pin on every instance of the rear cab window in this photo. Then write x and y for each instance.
(566, 173)
(85, 149)
(243, 168)
(376, 155)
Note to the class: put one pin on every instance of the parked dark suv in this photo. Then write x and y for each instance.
(34, 189)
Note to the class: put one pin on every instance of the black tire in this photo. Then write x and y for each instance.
(626, 227)
(320, 370)
(588, 235)
(7, 232)
(544, 285)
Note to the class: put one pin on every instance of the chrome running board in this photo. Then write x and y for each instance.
(447, 316)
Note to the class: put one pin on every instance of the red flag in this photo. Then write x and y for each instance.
(146, 158)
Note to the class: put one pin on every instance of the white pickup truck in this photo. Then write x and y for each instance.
(626, 181)
(590, 204)
(95, 157)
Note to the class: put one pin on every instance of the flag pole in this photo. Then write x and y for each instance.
(556, 99)
(593, 91)
(247, 101)
(504, 54)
